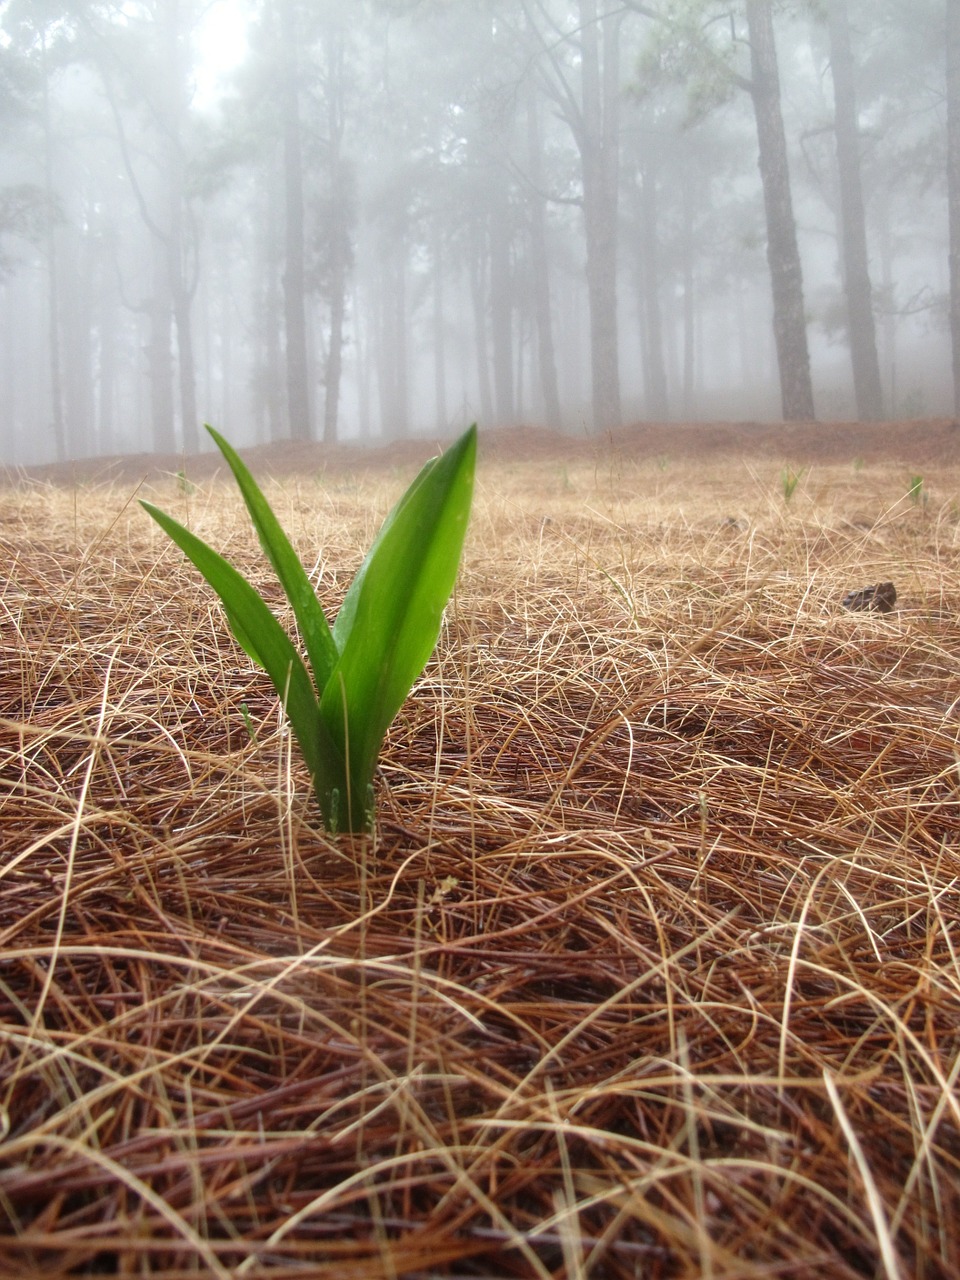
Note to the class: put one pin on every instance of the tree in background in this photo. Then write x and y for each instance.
(952, 43)
(478, 180)
(861, 328)
(580, 71)
(783, 254)
(289, 78)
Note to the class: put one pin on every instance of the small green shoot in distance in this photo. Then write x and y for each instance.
(362, 669)
(916, 492)
(789, 479)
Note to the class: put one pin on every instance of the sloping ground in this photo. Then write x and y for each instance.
(651, 969)
(916, 442)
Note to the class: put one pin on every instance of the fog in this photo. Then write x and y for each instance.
(321, 220)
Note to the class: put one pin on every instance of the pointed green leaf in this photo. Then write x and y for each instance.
(321, 650)
(390, 620)
(265, 640)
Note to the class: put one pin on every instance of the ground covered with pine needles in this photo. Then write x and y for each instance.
(650, 970)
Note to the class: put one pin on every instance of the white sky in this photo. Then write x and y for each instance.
(221, 42)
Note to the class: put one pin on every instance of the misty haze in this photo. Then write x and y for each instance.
(489, 809)
(365, 221)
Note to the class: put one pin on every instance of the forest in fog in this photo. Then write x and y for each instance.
(330, 220)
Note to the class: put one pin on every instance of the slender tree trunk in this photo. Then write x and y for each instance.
(77, 313)
(186, 368)
(160, 354)
(393, 377)
(953, 184)
(861, 327)
(108, 338)
(657, 405)
(689, 340)
(501, 305)
(478, 275)
(598, 136)
(540, 269)
(439, 326)
(400, 339)
(340, 247)
(338, 309)
(339, 272)
(362, 343)
(53, 276)
(783, 256)
(294, 290)
(181, 287)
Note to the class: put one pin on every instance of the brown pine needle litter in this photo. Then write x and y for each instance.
(651, 968)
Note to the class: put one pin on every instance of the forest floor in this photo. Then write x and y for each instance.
(651, 967)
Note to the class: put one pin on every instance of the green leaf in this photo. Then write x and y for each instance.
(390, 619)
(265, 640)
(321, 650)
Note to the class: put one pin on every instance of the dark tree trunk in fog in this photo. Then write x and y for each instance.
(294, 289)
(861, 327)
(597, 132)
(540, 271)
(783, 256)
(953, 185)
(655, 374)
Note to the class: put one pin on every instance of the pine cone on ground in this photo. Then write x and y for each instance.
(881, 598)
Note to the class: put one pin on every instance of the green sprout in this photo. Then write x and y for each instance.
(365, 665)
(916, 492)
(789, 479)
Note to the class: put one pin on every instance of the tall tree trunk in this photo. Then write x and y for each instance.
(182, 287)
(362, 344)
(783, 256)
(656, 375)
(338, 308)
(953, 184)
(501, 303)
(393, 376)
(160, 355)
(77, 320)
(439, 325)
(108, 340)
(294, 289)
(340, 247)
(53, 278)
(598, 137)
(861, 327)
(479, 258)
(540, 270)
(689, 339)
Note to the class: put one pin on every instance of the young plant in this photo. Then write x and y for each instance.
(362, 668)
(916, 492)
(789, 479)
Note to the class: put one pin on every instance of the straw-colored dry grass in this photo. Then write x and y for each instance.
(652, 967)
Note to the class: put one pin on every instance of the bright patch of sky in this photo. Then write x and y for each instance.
(220, 41)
